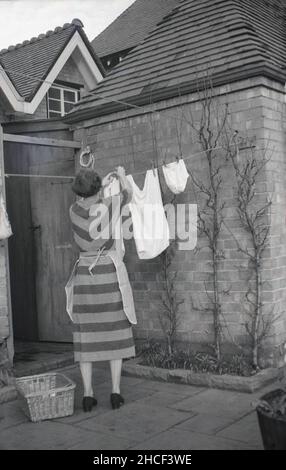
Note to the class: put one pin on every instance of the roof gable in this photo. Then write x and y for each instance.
(35, 58)
(231, 39)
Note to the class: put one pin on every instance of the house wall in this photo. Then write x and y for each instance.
(257, 112)
(2, 114)
(71, 73)
(274, 126)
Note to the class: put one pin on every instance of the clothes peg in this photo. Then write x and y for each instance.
(177, 158)
(153, 168)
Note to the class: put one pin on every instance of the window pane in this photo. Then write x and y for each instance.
(54, 105)
(55, 93)
(68, 107)
(69, 96)
(53, 114)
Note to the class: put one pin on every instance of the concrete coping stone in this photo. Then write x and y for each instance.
(251, 384)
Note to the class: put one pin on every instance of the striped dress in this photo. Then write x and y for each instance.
(102, 329)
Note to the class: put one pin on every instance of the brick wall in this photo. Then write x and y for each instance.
(274, 125)
(126, 138)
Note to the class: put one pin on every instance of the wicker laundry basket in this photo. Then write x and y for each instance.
(46, 396)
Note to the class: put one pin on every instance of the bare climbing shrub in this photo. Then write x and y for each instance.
(254, 214)
(169, 313)
(208, 131)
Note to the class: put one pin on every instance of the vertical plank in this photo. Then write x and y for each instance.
(10, 339)
(54, 245)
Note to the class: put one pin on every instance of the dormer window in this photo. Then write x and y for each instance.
(61, 100)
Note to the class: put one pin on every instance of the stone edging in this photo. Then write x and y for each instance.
(7, 393)
(224, 382)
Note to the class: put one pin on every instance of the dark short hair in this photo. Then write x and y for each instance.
(86, 183)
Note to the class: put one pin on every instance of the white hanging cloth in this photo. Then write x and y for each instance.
(5, 227)
(112, 190)
(176, 176)
(150, 225)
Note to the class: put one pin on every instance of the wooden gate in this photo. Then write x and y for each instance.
(41, 250)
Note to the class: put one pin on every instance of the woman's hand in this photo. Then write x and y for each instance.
(120, 174)
(121, 171)
(108, 178)
(125, 184)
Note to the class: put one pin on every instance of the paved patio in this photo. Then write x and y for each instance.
(156, 416)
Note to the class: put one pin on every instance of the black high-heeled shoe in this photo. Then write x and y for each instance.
(116, 400)
(88, 403)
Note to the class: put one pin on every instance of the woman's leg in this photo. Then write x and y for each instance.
(115, 367)
(86, 373)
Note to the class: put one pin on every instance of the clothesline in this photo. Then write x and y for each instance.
(25, 75)
(23, 175)
(104, 98)
(7, 175)
(93, 93)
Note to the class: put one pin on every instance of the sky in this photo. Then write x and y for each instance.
(23, 19)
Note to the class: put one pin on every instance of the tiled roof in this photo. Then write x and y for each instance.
(231, 39)
(37, 56)
(132, 26)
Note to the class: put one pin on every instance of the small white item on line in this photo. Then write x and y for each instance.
(176, 176)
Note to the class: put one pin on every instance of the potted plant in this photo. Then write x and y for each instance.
(271, 413)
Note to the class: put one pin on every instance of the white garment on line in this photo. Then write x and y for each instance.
(150, 225)
(176, 176)
(112, 190)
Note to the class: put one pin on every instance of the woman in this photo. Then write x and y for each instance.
(99, 296)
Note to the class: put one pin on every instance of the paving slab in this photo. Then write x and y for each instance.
(136, 421)
(162, 398)
(206, 423)
(130, 392)
(187, 390)
(11, 415)
(245, 430)
(174, 439)
(46, 435)
(156, 415)
(104, 441)
(217, 402)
